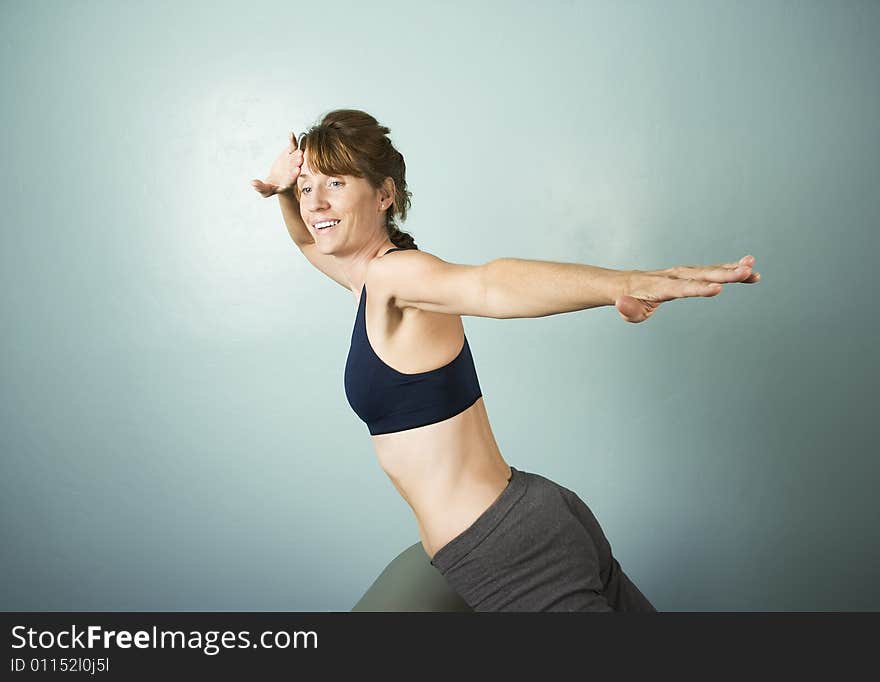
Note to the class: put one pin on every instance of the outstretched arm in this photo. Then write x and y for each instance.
(529, 288)
(516, 287)
(501, 288)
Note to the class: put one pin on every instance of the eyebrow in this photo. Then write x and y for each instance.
(306, 175)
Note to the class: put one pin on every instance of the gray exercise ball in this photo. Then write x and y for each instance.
(411, 583)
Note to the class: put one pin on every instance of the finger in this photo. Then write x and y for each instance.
(713, 273)
(690, 271)
(264, 188)
(293, 174)
(745, 260)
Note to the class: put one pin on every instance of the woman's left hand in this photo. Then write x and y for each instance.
(645, 291)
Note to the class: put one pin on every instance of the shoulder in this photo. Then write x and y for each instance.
(399, 267)
(418, 279)
(405, 261)
(389, 269)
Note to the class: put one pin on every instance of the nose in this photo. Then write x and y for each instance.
(314, 199)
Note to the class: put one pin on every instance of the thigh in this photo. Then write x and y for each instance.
(619, 590)
(588, 521)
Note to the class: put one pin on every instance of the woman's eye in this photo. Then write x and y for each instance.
(303, 190)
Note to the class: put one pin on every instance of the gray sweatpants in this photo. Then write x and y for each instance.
(537, 547)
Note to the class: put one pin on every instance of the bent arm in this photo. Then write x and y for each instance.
(297, 229)
(517, 287)
(303, 238)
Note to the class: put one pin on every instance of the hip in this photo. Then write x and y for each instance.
(450, 516)
(537, 547)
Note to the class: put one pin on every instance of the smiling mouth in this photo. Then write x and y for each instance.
(323, 230)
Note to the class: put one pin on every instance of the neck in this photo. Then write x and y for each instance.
(355, 266)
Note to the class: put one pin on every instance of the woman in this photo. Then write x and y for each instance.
(504, 539)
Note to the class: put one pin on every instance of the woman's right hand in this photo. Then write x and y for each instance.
(283, 173)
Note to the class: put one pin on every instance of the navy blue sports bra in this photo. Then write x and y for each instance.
(390, 401)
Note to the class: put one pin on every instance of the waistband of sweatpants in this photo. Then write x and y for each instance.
(454, 550)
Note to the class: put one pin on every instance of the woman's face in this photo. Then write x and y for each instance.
(350, 200)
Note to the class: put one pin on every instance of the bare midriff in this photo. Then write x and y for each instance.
(448, 472)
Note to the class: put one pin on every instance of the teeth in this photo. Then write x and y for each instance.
(327, 223)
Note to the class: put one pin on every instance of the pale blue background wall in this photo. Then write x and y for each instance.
(174, 430)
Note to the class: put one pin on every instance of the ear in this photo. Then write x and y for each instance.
(386, 192)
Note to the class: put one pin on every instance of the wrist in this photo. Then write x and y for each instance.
(624, 284)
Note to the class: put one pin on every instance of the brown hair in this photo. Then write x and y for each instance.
(351, 142)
